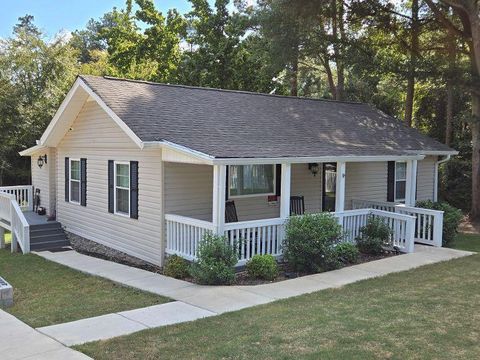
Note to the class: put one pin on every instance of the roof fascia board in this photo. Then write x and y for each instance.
(110, 112)
(197, 155)
(60, 111)
(432, 152)
(32, 150)
(296, 160)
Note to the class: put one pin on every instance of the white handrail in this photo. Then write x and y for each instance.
(428, 224)
(13, 219)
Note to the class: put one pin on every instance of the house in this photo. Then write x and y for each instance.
(148, 168)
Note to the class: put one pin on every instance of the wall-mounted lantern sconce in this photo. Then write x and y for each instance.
(41, 160)
(314, 168)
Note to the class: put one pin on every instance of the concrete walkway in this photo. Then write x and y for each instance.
(196, 301)
(20, 341)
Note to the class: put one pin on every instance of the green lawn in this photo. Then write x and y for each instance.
(432, 312)
(470, 242)
(47, 293)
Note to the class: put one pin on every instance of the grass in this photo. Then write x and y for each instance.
(46, 293)
(469, 242)
(432, 312)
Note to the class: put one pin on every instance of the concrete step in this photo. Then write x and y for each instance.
(49, 245)
(48, 225)
(47, 237)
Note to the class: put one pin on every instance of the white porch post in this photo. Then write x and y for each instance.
(218, 206)
(411, 183)
(340, 186)
(285, 191)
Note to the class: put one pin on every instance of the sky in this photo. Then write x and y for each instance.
(53, 16)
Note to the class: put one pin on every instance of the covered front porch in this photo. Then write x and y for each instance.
(208, 198)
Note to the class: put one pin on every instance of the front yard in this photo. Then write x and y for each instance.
(46, 293)
(430, 312)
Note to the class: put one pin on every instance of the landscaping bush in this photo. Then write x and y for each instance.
(309, 239)
(451, 218)
(176, 267)
(216, 260)
(374, 235)
(262, 267)
(347, 253)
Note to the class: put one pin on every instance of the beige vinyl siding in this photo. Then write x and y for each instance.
(188, 190)
(304, 183)
(97, 138)
(365, 181)
(44, 178)
(426, 178)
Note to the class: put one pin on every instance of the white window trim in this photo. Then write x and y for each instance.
(395, 183)
(120, 187)
(252, 195)
(70, 182)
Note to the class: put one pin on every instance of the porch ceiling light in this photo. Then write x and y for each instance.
(314, 168)
(41, 160)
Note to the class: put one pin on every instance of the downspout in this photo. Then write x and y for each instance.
(435, 180)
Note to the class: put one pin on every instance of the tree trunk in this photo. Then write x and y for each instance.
(294, 76)
(412, 66)
(474, 17)
(338, 27)
(331, 81)
(451, 48)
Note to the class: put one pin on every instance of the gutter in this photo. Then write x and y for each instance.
(435, 180)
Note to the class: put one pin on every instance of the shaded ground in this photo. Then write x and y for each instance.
(430, 312)
(46, 293)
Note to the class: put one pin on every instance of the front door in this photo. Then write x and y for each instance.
(329, 182)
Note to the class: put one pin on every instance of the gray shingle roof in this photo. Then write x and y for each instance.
(236, 124)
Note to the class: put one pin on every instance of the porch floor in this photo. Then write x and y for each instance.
(220, 299)
(34, 219)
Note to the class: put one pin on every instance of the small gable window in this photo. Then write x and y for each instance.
(122, 188)
(75, 181)
(251, 180)
(400, 180)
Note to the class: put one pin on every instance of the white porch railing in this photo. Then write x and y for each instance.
(402, 226)
(13, 219)
(183, 235)
(428, 224)
(256, 237)
(22, 193)
(379, 205)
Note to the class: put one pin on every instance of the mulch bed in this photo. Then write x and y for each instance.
(241, 278)
(94, 249)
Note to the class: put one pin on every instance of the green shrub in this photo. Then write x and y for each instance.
(347, 253)
(374, 235)
(309, 239)
(176, 267)
(451, 219)
(216, 260)
(262, 267)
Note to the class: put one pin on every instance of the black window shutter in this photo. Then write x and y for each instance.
(278, 179)
(110, 186)
(67, 179)
(391, 181)
(227, 184)
(83, 182)
(134, 189)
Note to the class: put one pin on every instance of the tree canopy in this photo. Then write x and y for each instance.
(417, 60)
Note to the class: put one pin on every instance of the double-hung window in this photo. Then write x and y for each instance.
(251, 180)
(122, 188)
(400, 180)
(74, 181)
